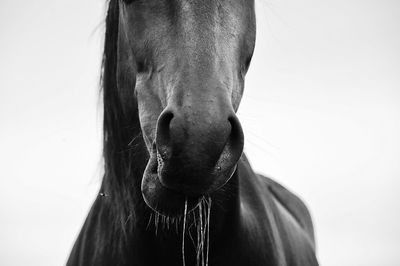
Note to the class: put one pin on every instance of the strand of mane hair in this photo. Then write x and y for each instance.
(124, 159)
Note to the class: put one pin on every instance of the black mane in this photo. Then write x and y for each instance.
(124, 151)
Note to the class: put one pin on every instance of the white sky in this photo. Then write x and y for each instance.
(321, 114)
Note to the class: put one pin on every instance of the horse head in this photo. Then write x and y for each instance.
(182, 63)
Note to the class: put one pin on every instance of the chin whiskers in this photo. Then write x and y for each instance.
(195, 226)
(203, 232)
(183, 233)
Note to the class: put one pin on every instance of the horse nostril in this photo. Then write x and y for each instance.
(163, 134)
(236, 137)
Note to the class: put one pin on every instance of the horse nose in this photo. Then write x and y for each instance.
(197, 150)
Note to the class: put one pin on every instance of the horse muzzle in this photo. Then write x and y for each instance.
(195, 153)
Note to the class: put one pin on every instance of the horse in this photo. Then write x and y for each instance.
(177, 188)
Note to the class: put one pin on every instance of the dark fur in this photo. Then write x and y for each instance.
(115, 232)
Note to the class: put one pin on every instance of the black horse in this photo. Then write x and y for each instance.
(177, 189)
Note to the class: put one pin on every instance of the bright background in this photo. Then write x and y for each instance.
(321, 114)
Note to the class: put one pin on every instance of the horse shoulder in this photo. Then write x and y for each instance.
(260, 235)
(293, 205)
(294, 223)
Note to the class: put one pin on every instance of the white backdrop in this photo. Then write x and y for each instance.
(321, 114)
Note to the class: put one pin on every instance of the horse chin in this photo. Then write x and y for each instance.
(166, 201)
(161, 199)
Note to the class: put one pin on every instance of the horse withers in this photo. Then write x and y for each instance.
(177, 189)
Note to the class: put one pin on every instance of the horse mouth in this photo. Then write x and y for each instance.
(161, 199)
(167, 201)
